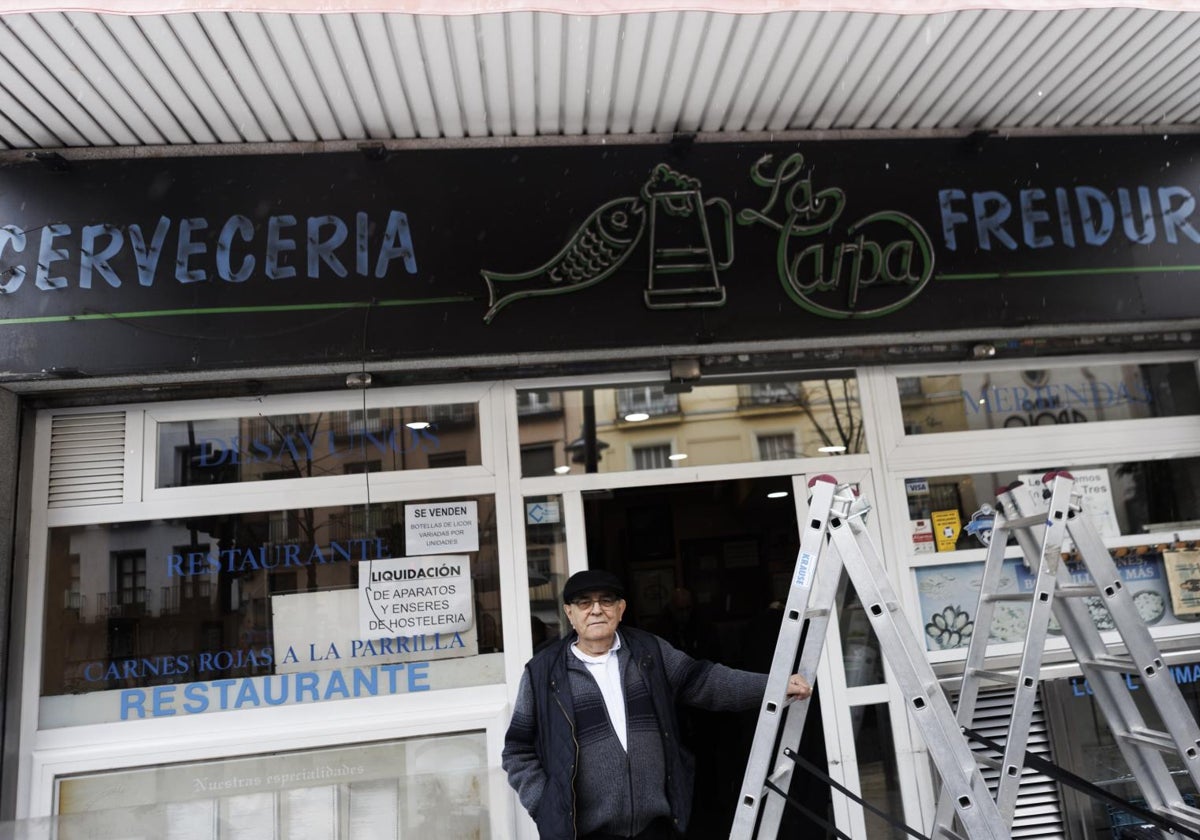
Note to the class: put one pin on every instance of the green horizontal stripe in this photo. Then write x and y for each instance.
(1068, 272)
(230, 310)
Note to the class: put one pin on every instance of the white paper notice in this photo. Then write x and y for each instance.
(441, 527)
(404, 596)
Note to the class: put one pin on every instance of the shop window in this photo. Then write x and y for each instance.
(321, 443)
(1046, 396)
(129, 573)
(546, 556)
(1149, 511)
(879, 777)
(597, 429)
(537, 460)
(768, 393)
(656, 457)
(1083, 743)
(433, 786)
(162, 617)
(538, 402)
(776, 447)
(651, 400)
(444, 460)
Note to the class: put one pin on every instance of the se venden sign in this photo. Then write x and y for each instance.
(180, 264)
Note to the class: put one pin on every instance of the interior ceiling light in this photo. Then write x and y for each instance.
(636, 417)
(418, 425)
(562, 469)
(676, 456)
(778, 494)
(831, 449)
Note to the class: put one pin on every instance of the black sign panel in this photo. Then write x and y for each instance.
(178, 264)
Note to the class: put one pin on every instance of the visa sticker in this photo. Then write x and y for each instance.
(804, 567)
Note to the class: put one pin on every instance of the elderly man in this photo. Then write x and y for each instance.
(593, 747)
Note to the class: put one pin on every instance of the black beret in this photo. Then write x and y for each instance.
(592, 580)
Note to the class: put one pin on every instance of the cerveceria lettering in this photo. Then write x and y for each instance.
(272, 557)
(325, 244)
(382, 575)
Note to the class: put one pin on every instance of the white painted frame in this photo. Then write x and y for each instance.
(45, 755)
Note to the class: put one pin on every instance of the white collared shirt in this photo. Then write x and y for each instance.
(606, 670)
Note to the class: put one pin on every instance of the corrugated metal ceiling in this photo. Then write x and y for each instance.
(82, 79)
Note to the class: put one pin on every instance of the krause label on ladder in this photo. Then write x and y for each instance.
(804, 570)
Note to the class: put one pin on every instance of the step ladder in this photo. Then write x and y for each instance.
(836, 535)
(1040, 528)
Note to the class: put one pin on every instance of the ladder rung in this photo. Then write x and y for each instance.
(1184, 814)
(995, 676)
(944, 831)
(816, 612)
(1150, 738)
(989, 761)
(1079, 590)
(994, 597)
(1119, 664)
(1026, 521)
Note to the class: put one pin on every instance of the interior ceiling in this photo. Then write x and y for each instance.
(99, 79)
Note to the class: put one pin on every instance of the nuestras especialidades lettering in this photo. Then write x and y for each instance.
(275, 690)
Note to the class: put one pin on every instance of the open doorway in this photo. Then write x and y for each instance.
(707, 566)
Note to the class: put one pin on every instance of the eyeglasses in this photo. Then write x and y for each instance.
(606, 602)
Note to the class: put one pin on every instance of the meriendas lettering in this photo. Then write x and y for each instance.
(272, 557)
(322, 241)
(415, 574)
(301, 447)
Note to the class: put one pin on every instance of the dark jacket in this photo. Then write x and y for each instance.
(542, 746)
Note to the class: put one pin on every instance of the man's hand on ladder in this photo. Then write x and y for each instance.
(798, 687)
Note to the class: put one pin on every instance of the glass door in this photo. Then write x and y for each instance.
(865, 727)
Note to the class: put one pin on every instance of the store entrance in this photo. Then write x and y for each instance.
(707, 566)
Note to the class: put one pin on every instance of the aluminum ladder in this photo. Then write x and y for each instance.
(836, 535)
(1040, 530)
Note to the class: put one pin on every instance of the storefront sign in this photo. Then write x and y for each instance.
(278, 690)
(1094, 490)
(186, 264)
(402, 595)
(315, 631)
(949, 596)
(946, 527)
(542, 513)
(441, 527)
(1183, 573)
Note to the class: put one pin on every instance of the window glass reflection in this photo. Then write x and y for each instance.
(877, 772)
(1119, 499)
(546, 556)
(1157, 500)
(222, 599)
(1046, 397)
(861, 654)
(658, 426)
(433, 786)
(1083, 743)
(324, 443)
